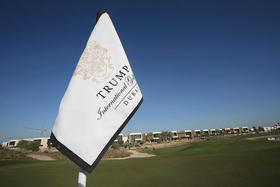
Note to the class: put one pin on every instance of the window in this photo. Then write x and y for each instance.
(39, 140)
(137, 136)
(156, 135)
(188, 133)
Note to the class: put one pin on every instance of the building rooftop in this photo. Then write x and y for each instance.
(135, 133)
(156, 132)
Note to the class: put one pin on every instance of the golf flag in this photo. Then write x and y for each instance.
(100, 99)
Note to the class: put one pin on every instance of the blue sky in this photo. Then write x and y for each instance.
(199, 64)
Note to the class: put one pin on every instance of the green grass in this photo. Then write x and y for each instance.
(223, 162)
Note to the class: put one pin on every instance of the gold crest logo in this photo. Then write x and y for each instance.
(94, 63)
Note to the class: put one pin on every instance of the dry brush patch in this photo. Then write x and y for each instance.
(117, 153)
(55, 155)
(111, 153)
(7, 154)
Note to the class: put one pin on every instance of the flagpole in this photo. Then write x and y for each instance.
(82, 179)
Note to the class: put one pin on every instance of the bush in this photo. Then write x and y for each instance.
(29, 145)
(120, 143)
(126, 144)
(1, 147)
(134, 144)
(22, 144)
(116, 145)
(159, 141)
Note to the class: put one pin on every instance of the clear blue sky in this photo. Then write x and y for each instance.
(199, 64)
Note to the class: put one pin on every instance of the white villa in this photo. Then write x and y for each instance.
(236, 130)
(228, 130)
(213, 132)
(156, 136)
(188, 134)
(197, 133)
(245, 129)
(174, 135)
(135, 137)
(44, 142)
(205, 132)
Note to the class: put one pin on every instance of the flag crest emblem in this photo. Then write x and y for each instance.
(95, 63)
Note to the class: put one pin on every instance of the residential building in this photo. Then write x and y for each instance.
(135, 137)
(245, 129)
(174, 135)
(205, 132)
(213, 132)
(156, 136)
(228, 131)
(197, 133)
(188, 134)
(44, 142)
(236, 130)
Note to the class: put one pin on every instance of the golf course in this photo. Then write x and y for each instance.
(234, 161)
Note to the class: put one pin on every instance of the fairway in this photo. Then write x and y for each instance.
(220, 162)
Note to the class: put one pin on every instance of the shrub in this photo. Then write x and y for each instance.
(22, 144)
(1, 147)
(159, 141)
(29, 145)
(126, 144)
(34, 146)
(120, 143)
(115, 145)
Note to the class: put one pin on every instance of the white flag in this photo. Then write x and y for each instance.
(101, 98)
